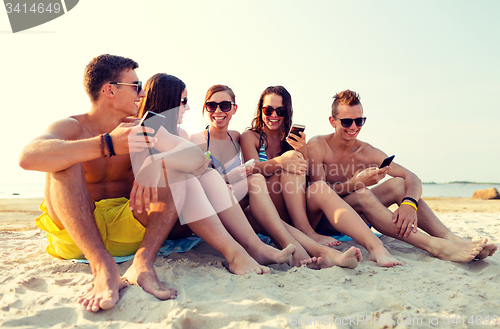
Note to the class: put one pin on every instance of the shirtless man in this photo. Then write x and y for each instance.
(348, 165)
(86, 210)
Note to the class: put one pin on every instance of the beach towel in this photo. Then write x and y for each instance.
(168, 247)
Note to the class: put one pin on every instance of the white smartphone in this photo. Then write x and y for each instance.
(249, 163)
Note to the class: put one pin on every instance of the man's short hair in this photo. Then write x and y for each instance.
(346, 97)
(103, 69)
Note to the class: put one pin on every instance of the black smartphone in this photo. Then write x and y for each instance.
(296, 128)
(387, 161)
(152, 120)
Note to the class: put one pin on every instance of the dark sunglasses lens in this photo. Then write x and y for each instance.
(139, 87)
(359, 121)
(211, 106)
(184, 101)
(346, 123)
(225, 106)
(281, 111)
(268, 110)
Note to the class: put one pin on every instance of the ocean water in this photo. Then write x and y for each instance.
(21, 190)
(35, 190)
(454, 190)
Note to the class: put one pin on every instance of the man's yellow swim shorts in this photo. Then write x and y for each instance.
(121, 233)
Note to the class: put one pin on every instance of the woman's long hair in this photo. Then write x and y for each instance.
(258, 124)
(163, 95)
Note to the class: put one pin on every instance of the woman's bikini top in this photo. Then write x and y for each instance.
(216, 164)
(262, 150)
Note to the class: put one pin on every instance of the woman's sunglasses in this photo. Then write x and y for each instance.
(346, 123)
(280, 111)
(184, 101)
(225, 106)
(138, 85)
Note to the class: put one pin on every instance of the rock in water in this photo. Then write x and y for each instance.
(488, 194)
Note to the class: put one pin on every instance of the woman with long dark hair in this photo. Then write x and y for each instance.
(220, 106)
(283, 161)
(209, 211)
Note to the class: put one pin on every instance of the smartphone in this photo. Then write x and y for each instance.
(152, 120)
(387, 161)
(296, 128)
(249, 163)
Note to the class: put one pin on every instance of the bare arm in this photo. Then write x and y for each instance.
(300, 143)
(57, 148)
(177, 152)
(250, 144)
(413, 184)
(316, 158)
(62, 146)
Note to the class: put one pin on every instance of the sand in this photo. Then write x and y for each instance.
(37, 290)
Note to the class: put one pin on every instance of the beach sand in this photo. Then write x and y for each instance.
(37, 290)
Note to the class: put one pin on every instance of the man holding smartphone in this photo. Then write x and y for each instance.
(86, 211)
(348, 166)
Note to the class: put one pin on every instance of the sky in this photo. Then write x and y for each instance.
(427, 71)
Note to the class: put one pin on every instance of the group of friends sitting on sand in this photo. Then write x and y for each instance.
(116, 186)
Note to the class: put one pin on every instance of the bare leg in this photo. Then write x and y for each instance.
(267, 218)
(70, 206)
(365, 202)
(215, 234)
(322, 199)
(159, 222)
(393, 191)
(293, 192)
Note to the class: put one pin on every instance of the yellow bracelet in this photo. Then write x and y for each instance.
(410, 204)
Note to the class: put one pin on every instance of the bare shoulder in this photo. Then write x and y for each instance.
(317, 145)
(198, 138)
(235, 135)
(183, 134)
(370, 153)
(249, 140)
(250, 135)
(319, 140)
(66, 129)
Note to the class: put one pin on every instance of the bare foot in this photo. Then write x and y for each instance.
(145, 276)
(244, 264)
(324, 240)
(457, 251)
(350, 258)
(331, 257)
(104, 292)
(487, 251)
(383, 257)
(300, 256)
(265, 254)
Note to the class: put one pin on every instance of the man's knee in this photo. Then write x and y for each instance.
(396, 188)
(361, 198)
(73, 174)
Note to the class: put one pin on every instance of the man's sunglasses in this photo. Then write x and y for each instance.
(280, 111)
(346, 123)
(138, 85)
(225, 106)
(184, 101)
